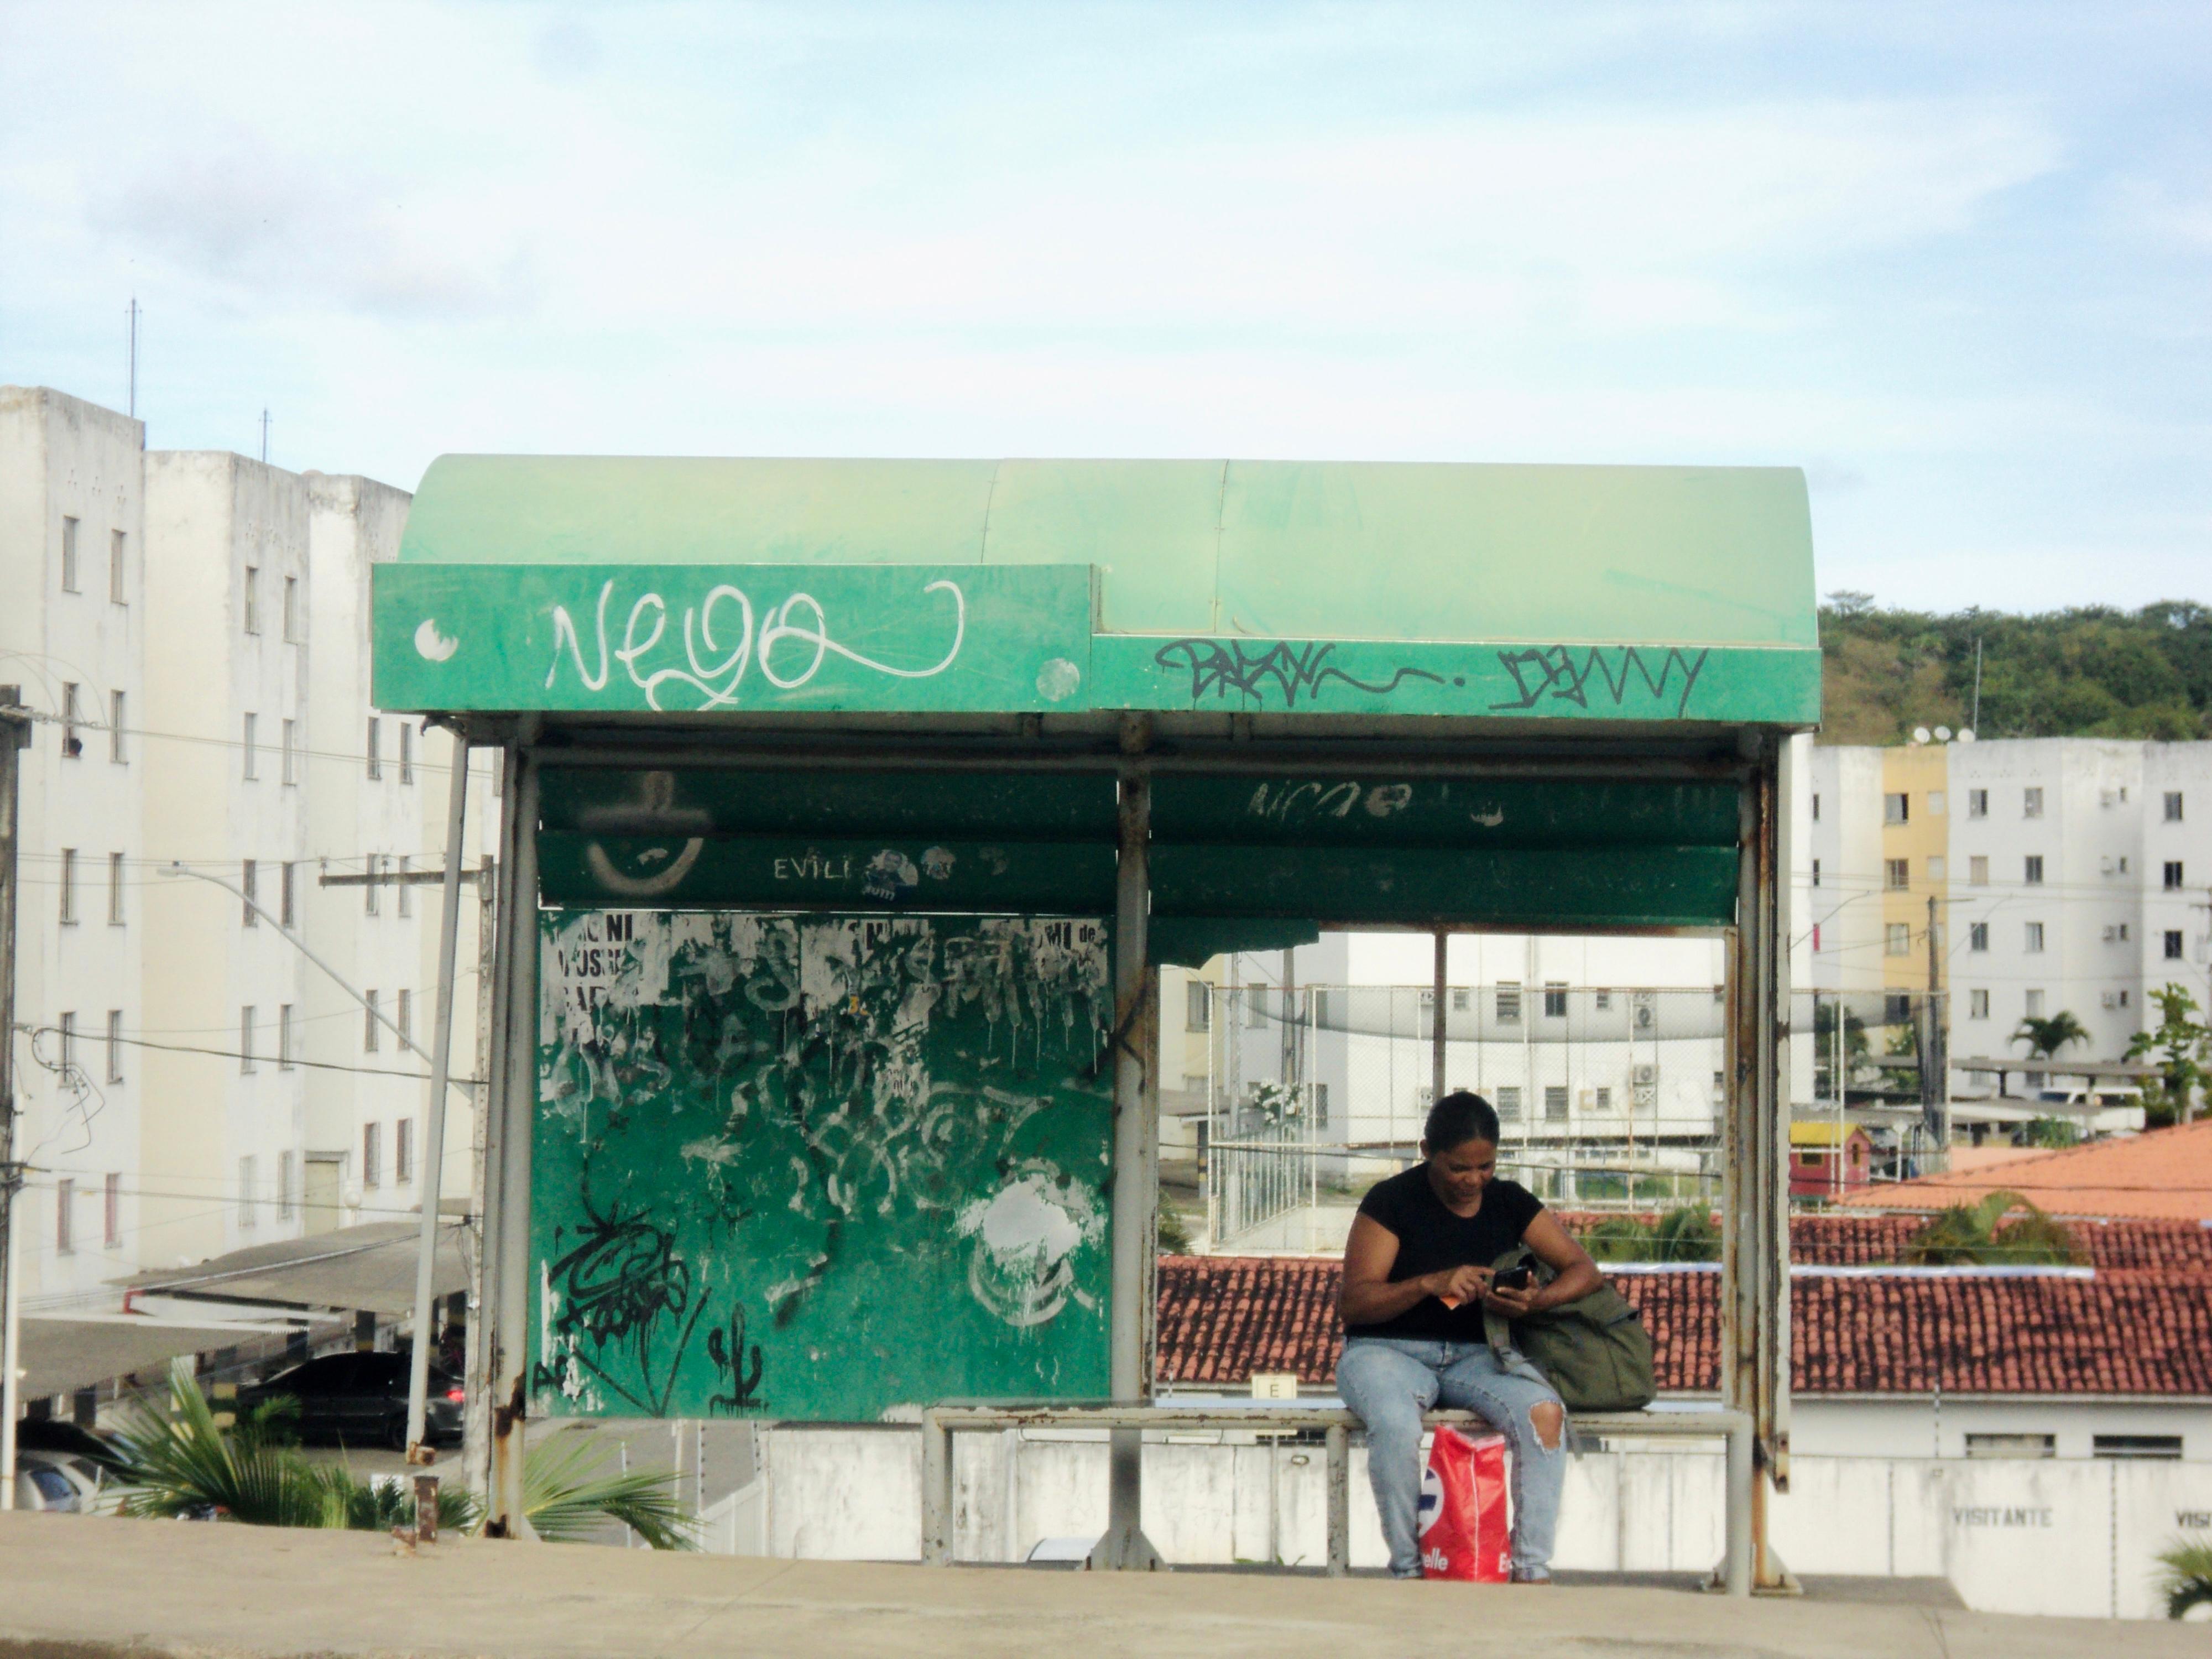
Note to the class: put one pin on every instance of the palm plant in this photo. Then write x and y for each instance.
(182, 1464)
(2046, 1036)
(2186, 1574)
(1687, 1234)
(1978, 1235)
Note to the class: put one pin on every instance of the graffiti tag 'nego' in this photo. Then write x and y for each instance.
(799, 625)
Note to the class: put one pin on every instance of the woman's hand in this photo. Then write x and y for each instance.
(1456, 1286)
(1512, 1301)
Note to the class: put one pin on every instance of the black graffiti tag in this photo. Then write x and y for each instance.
(1555, 670)
(1218, 667)
(622, 1289)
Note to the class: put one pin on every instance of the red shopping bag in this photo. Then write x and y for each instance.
(1463, 1510)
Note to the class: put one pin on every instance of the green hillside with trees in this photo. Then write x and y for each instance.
(2093, 673)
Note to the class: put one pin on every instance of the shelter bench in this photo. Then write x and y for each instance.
(940, 1423)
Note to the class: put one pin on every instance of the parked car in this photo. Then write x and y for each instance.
(44, 1481)
(361, 1399)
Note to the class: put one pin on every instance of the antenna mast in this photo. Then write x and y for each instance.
(134, 356)
(265, 435)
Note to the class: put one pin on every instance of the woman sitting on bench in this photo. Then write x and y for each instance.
(1417, 1277)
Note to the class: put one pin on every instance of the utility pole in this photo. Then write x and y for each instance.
(134, 356)
(14, 738)
(265, 434)
(1974, 721)
(1934, 1063)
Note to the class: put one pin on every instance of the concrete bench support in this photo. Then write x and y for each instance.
(940, 1423)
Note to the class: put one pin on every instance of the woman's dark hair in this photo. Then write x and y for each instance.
(1459, 1118)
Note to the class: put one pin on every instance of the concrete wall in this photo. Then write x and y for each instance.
(2060, 1537)
(63, 460)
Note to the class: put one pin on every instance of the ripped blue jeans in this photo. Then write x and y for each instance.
(1389, 1381)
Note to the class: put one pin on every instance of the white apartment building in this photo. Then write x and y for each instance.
(192, 628)
(2070, 874)
(72, 564)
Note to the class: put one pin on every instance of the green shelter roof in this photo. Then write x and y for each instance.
(1346, 550)
(657, 585)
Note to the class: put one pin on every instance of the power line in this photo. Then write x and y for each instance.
(282, 1064)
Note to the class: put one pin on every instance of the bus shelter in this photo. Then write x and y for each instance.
(849, 809)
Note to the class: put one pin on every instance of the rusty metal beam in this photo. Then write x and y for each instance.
(507, 1206)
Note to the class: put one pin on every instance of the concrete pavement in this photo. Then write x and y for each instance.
(82, 1588)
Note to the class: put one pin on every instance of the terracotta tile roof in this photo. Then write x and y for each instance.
(2164, 1173)
(2133, 1329)
(1845, 1239)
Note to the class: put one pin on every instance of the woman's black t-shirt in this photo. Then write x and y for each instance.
(1430, 1237)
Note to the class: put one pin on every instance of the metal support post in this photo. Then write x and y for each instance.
(1742, 1484)
(14, 737)
(936, 1492)
(434, 1130)
(475, 1410)
(506, 1213)
(1136, 1187)
(1437, 1022)
(1338, 1458)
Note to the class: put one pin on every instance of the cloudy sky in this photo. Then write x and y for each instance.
(1951, 259)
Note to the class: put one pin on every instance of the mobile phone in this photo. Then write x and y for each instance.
(1513, 1279)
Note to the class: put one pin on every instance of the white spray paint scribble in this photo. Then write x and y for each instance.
(1021, 1269)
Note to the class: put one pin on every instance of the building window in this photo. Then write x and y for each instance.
(1977, 803)
(1897, 874)
(2012, 1445)
(402, 1151)
(2173, 945)
(376, 747)
(72, 716)
(2124, 932)
(111, 1228)
(2032, 1004)
(115, 1045)
(1255, 1005)
(1897, 808)
(291, 608)
(1977, 1004)
(246, 1022)
(1816, 806)
(115, 750)
(68, 1023)
(1604, 1099)
(1461, 1001)
(284, 1186)
(1508, 1105)
(1936, 802)
(2031, 870)
(371, 1159)
(1816, 873)
(249, 883)
(1555, 998)
(246, 1193)
(369, 1023)
(284, 1049)
(1508, 1002)
(1555, 1102)
(246, 734)
(287, 886)
(406, 891)
(68, 555)
(401, 1002)
(119, 591)
(1897, 940)
(1935, 866)
(1978, 936)
(115, 889)
(1197, 1006)
(2173, 807)
(2173, 874)
(68, 886)
(406, 752)
(2032, 943)
(2031, 802)
(64, 1208)
(2164, 1446)
(288, 768)
(1602, 1001)
(1977, 871)
(253, 598)
(371, 895)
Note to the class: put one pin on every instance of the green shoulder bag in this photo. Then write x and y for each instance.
(1593, 1350)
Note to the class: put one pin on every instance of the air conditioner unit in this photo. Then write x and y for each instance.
(2112, 934)
(2105, 863)
(1644, 1076)
(2110, 999)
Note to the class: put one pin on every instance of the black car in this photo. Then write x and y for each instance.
(361, 1399)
